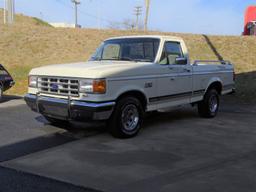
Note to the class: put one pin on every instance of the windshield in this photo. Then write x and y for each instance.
(128, 49)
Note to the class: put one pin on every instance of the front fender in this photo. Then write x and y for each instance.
(129, 88)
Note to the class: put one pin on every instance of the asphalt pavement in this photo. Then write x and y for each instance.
(176, 151)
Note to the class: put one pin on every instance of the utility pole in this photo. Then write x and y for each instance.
(137, 13)
(9, 11)
(76, 3)
(147, 5)
(5, 11)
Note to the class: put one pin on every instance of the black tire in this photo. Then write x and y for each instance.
(1, 92)
(127, 118)
(208, 108)
(54, 121)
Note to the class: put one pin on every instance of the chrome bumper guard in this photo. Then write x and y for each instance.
(68, 109)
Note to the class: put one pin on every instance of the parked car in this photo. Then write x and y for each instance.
(126, 77)
(6, 81)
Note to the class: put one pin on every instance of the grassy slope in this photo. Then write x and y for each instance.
(30, 43)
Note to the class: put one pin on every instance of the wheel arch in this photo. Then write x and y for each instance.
(137, 94)
(216, 84)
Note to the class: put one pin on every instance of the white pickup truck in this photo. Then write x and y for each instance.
(126, 77)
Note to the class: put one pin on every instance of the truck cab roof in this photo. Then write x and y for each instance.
(161, 37)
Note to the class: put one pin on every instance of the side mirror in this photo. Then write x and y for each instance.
(181, 61)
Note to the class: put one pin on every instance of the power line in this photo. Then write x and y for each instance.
(83, 12)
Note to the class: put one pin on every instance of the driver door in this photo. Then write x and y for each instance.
(175, 80)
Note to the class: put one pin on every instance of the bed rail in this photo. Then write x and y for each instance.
(196, 62)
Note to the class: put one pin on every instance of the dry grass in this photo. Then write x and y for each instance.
(31, 43)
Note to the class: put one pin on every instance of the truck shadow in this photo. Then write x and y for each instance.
(30, 146)
(7, 98)
(158, 119)
(73, 132)
(151, 120)
(76, 129)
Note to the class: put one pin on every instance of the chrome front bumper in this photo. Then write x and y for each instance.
(67, 109)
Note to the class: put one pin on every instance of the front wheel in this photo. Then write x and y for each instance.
(127, 118)
(209, 107)
(1, 92)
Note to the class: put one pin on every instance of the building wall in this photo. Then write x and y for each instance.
(64, 25)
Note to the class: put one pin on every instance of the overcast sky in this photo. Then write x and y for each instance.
(223, 17)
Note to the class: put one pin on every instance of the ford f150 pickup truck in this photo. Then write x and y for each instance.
(6, 81)
(126, 77)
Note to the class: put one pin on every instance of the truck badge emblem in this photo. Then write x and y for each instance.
(148, 85)
(54, 86)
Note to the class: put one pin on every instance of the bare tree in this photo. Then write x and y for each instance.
(126, 24)
(114, 25)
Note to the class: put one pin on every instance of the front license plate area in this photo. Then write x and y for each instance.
(52, 109)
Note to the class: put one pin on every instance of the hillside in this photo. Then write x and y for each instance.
(31, 42)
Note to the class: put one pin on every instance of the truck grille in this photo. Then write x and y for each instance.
(58, 86)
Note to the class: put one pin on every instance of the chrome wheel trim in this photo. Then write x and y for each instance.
(130, 117)
(213, 104)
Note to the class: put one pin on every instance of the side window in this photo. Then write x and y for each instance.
(172, 50)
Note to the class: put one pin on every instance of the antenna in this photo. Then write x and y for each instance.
(137, 13)
(76, 3)
(147, 5)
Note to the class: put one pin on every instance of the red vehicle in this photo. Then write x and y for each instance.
(250, 21)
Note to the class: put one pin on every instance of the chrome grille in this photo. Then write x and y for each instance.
(58, 86)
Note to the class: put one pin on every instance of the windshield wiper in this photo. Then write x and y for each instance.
(143, 60)
(121, 59)
(95, 59)
(127, 59)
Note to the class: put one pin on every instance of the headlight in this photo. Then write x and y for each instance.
(92, 86)
(32, 81)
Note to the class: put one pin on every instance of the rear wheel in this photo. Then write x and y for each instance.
(209, 107)
(127, 118)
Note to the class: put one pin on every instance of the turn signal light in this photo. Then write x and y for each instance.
(99, 86)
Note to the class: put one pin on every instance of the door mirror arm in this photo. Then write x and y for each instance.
(181, 61)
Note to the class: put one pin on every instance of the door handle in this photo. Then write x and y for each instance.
(187, 70)
(172, 79)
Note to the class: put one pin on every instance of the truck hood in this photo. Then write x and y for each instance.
(93, 69)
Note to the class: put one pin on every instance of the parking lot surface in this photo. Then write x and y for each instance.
(176, 151)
